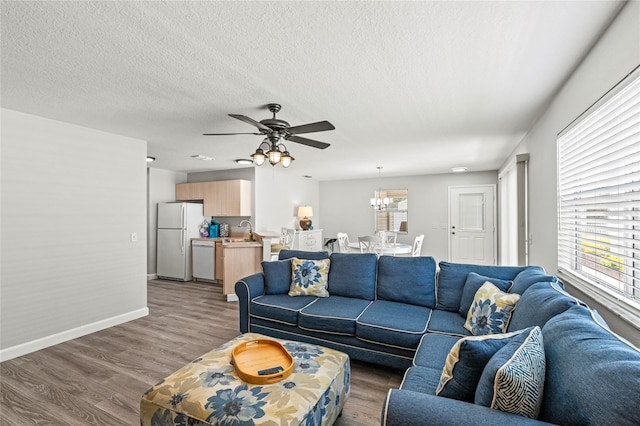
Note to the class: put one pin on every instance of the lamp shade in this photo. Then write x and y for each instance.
(305, 211)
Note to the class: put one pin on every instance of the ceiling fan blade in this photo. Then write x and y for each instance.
(306, 141)
(251, 121)
(228, 134)
(320, 126)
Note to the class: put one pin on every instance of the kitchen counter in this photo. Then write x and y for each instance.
(234, 260)
(228, 242)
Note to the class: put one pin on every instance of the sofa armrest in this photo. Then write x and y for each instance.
(404, 407)
(246, 289)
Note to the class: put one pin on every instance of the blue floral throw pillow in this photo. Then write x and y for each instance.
(490, 311)
(309, 277)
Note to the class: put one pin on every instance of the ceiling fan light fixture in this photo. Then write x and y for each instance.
(286, 159)
(275, 130)
(258, 157)
(274, 155)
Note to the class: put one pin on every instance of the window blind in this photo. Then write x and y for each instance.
(599, 194)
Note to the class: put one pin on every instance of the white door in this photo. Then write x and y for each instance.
(472, 224)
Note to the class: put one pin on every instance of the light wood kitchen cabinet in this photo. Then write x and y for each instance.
(219, 270)
(190, 191)
(220, 198)
(234, 262)
(229, 198)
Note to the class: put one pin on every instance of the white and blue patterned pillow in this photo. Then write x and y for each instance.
(309, 277)
(513, 379)
(490, 311)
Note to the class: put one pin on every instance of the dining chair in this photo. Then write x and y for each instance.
(388, 242)
(286, 237)
(368, 244)
(284, 243)
(417, 246)
(343, 242)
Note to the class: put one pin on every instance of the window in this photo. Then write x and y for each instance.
(599, 196)
(393, 214)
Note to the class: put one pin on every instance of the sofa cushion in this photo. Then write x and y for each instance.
(277, 276)
(465, 362)
(433, 350)
(407, 280)
(452, 277)
(513, 379)
(309, 277)
(447, 322)
(531, 275)
(490, 311)
(539, 303)
(392, 323)
(593, 376)
(279, 307)
(333, 314)
(353, 275)
(421, 379)
(472, 285)
(301, 254)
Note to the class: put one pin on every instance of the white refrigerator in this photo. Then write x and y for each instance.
(177, 224)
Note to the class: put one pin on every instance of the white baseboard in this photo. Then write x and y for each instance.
(232, 297)
(63, 336)
(152, 277)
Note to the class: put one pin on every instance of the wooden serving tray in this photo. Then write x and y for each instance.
(261, 354)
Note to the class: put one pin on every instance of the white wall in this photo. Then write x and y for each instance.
(278, 194)
(71, 197)
(344, 206)
(161, 188)
(615, 55)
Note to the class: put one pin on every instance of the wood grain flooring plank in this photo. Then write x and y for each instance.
(98, 379)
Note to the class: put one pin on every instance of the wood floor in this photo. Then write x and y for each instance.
(98, 379)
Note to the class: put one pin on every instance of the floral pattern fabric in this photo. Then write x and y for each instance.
(490, 311)
(208, 391)
(309, 277)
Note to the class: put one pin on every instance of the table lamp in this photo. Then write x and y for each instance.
(305, 212)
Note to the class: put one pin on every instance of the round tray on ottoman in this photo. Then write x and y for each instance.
(262, 361)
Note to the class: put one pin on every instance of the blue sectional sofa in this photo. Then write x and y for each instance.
(406, 313)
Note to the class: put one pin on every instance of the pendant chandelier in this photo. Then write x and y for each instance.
(276, 153)
(378, 202)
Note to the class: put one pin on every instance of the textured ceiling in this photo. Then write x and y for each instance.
(415, 87)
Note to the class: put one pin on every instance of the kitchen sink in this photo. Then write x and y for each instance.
(238, 240)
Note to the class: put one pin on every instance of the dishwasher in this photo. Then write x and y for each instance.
(204, 259)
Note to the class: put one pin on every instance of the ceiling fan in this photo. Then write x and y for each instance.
(275, 129)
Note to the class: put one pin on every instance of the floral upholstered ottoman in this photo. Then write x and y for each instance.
(208, 391)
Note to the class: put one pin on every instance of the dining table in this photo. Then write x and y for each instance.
(392, 249)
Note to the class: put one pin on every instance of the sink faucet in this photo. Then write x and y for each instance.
(242, 222)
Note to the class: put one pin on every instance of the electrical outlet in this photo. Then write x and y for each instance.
(134, 237)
